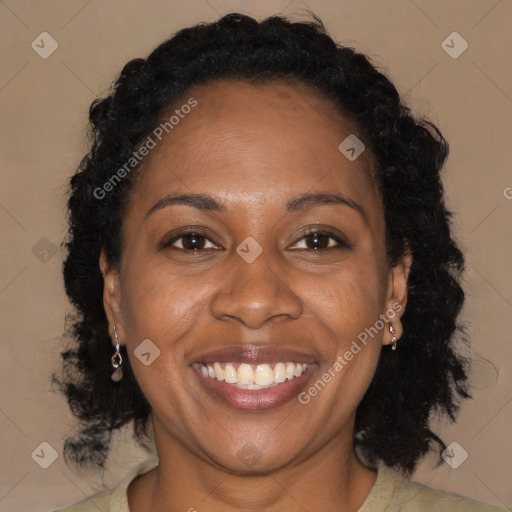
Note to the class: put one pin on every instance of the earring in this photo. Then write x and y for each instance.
(117, 361)
(393, 338)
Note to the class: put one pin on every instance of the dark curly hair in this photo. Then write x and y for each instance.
(426, 376)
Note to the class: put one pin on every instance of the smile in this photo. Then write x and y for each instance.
(247, 376)
(254, 377)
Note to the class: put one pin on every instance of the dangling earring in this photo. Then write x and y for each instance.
(393, 338)
(117, 361)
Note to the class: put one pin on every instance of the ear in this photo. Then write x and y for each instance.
(397, 295)
(112, 298)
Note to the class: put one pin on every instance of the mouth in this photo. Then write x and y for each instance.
(254, 378)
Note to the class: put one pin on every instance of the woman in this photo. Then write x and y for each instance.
(265, 276)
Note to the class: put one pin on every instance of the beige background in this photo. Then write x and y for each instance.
(44, 104)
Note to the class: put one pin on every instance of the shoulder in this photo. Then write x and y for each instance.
(112, 500)
(411, 496)
(100, 501)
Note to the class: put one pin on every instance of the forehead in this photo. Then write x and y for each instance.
(255, 142)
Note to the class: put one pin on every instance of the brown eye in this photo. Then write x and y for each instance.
(190, 241)
(317, 241)
(193, 241)
(321, 241)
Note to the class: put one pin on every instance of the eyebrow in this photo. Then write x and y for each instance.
(202, 202)
(309, 201)
(305, 202)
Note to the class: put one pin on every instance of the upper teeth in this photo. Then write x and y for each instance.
(248, 376)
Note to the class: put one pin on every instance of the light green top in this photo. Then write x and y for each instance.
(391, 492)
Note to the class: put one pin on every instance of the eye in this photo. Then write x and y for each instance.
(313, 240)
(190, 241)
(320, 240)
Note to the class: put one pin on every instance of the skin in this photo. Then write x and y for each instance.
(253, 148)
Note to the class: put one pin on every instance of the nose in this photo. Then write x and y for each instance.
(257, 293)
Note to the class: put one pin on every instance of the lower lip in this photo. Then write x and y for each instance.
(256, 399)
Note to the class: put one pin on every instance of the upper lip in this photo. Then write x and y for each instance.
(254, 354)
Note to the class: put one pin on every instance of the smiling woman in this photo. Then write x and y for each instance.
(241, 292)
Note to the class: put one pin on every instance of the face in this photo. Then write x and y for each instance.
(251, 241)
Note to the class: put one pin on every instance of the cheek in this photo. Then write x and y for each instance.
(348, 301)
(161, 306)
(346, 306)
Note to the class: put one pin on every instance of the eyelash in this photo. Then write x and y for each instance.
(342, 244)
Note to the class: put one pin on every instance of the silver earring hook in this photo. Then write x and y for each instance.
(117, 358)
(393, 338)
